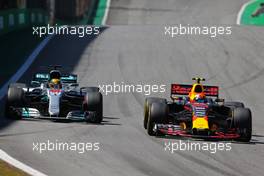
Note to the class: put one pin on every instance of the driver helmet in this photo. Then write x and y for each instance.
(54, 83)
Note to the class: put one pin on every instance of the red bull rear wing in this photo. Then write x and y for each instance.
(184, 89)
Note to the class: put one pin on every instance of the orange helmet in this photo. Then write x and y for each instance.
(197, 91)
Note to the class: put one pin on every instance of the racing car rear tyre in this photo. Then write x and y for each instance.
(148, 102)
(234, 104)
(157, 114)
(94, 102)
(92, 89)
(243, 122)
(17, 85)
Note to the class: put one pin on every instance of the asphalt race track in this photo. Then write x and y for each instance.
(142, 54)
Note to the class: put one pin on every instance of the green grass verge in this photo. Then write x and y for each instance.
(247, 19)
(8, 170)
(15, 48)
(100, 12)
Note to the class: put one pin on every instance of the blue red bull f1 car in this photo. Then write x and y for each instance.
(197, 111)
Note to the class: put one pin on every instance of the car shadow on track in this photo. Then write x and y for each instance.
(110, 121)
(107, 122)
(31, 132)
(254, 141)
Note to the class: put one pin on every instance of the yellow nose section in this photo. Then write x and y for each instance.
(200, 123)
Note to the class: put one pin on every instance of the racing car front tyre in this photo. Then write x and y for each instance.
(243, 122)
(15, 98)
(94, 102)
(157, 114)
(147, 104)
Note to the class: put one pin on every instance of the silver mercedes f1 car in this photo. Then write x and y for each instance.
(56, 96)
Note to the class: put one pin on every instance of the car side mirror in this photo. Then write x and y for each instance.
(175, 98)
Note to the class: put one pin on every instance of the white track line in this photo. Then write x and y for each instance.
(5, 157)
(106, 12)
(239, 15)
(25, 66)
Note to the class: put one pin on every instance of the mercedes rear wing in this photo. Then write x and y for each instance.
(65, 78)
